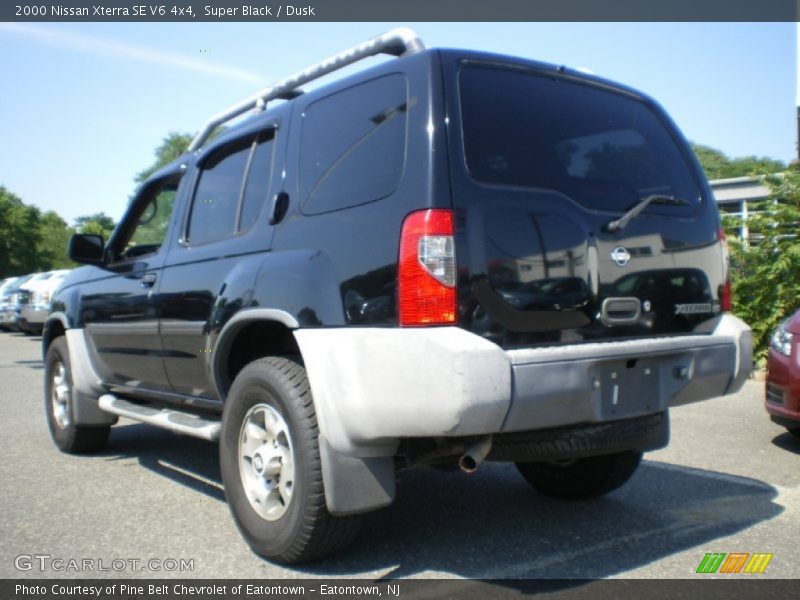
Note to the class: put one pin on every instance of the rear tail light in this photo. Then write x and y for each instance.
(427, 270)
(725, 293)
(726, 297)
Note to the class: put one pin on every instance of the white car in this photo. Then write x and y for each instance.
(36, 303)
(11, 300)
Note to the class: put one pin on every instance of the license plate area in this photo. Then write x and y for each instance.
(629, 388)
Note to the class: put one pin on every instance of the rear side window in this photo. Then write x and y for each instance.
(224, 203)
(603, 149)
(353, 145)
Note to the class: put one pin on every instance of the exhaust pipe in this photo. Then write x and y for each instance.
(474, 454)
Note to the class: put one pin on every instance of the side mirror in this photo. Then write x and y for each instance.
(86, 249)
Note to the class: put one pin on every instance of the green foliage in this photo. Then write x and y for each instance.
(718, 166)
(55, 238)
(765, 271)
(171, 148)
(98, 223)
(20, 236)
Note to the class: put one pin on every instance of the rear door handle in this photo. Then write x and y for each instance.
(148, 279)
(280, 203)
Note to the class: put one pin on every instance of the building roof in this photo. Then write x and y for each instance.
(737, 189)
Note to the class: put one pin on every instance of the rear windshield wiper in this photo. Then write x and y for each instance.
(618, 224)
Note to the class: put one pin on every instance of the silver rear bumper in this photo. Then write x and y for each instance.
(372, 386)
(597, 382)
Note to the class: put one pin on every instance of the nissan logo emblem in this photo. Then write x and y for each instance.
(620, 256)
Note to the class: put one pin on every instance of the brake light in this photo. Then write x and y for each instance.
(726, 293)
(426, 281)
(726, 297)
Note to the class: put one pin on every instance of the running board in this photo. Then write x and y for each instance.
(174, 420)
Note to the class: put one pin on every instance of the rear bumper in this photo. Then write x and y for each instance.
(593, 383)
(373, 386)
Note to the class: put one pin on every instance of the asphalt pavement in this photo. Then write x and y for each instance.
(152, 505)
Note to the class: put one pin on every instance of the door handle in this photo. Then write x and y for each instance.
(148, 279)
(280, 204)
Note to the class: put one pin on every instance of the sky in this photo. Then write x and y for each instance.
(84, 105)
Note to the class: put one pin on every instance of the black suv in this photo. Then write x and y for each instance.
(448, 257)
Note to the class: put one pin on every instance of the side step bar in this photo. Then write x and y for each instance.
(174, 420)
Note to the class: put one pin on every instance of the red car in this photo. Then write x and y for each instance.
(783, 375)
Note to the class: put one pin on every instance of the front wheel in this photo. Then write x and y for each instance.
(582, 478)
(795, 431)
(67, 435)
(271, 467)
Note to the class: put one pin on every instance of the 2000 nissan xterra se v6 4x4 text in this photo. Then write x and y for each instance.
(448, 257)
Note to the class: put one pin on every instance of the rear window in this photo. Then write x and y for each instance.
(603, 149)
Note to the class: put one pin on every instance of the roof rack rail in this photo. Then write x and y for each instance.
(397, 42)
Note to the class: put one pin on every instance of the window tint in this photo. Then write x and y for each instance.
(258, 179)
(603, 149)
(152, 221)
(353, 145)
(216, 198)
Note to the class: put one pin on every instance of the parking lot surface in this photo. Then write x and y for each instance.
(728, 482)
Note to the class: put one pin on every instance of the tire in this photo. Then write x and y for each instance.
(795, 431)
(58, 405)
(582, 478)
(269, 421)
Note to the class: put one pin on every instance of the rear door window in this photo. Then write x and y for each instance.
(602, 148)
(216, 197)
(232, 189)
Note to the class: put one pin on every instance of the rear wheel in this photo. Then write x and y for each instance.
(582, 478)
(58, 404)
(271, 467)
(795, 431)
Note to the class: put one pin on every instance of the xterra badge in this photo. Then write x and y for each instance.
(694, 309)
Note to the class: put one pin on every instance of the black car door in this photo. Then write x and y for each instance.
(118, 306)
(209, 273)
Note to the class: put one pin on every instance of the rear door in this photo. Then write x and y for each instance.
(210, 271)
(542, 163)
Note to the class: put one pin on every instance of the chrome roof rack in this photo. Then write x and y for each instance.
(397, 42)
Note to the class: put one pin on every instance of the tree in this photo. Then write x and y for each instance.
(20, 236)
(718, 166)
(98, 223)
(765, 268)
(713, 161)
(55, 238)
(172, 147)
